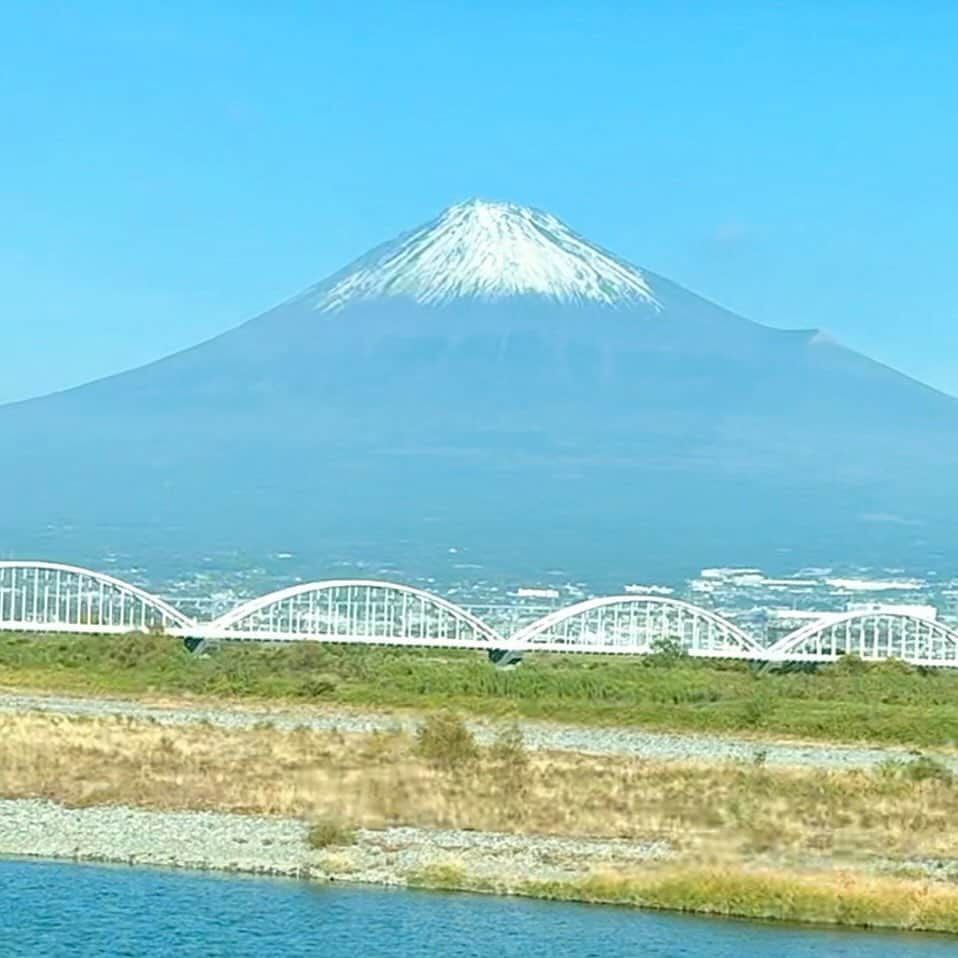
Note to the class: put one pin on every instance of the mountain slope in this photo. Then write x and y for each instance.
(492, 356)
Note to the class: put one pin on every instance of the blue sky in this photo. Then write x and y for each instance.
(169, 170)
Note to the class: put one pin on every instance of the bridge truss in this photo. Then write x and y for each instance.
(635, 625)
(873, 636)
(356, 611)
(53, 597)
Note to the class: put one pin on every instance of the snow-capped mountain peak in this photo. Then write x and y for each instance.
(486, 250)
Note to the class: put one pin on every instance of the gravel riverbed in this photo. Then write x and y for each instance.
(537, 735)
(262, 845)
(223, 841)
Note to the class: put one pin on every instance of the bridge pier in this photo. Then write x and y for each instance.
(504, 657)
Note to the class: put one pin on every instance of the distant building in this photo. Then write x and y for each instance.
(524, 592)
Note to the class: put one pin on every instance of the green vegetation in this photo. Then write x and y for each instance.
(852, 700)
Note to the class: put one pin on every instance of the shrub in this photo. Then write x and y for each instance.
(509, 747)
(924, 768)
(893, 667)
(316, 686)
(327, 833)
(754, 710)
(666, 653)
(445, 741)
(890, 768)
(850, 664)
(135, 650)
(509, 754)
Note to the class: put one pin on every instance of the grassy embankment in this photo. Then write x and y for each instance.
(819, 898)
(746, 839)
(851, 701)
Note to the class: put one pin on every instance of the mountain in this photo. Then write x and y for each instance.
(493, 367)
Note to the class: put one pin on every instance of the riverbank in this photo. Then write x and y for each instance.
(440, 777)
(851, 702)
(617, 872)
(538, 735)
(710, 824)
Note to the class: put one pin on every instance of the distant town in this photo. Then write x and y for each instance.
(765, 605)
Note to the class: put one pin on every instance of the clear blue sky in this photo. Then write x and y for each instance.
(171, 169)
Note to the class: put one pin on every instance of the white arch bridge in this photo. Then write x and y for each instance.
(50, 597)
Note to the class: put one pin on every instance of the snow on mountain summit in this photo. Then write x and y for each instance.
(487, 251)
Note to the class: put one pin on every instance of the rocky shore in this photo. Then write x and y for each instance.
(588, 870)
(218, 841)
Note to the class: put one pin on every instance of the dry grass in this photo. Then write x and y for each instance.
(712, 812)
(329, 833)
(832, 897)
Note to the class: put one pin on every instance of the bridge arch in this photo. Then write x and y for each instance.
(632, 624)
(45, 596)
(358, 611)
(871, 635)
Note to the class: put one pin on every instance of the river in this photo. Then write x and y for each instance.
(57, 910)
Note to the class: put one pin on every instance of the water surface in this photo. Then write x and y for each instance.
(57, 910)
